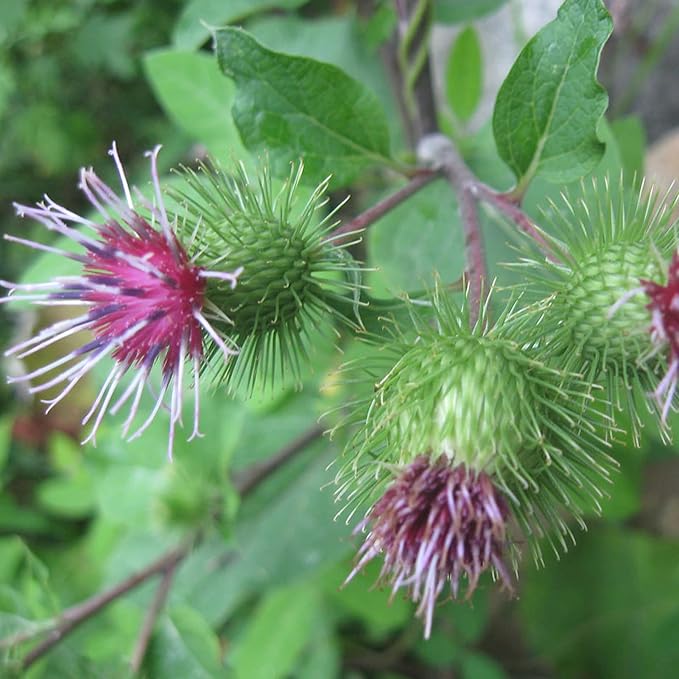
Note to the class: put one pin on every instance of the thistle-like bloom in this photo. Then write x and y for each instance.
(433, 524)
(145, 298)
(664, 308)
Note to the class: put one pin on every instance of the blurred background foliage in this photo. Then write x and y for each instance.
(259, 597)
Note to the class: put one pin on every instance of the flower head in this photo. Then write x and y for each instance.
(509, 435)
(595, 323)
(664, 308)
(145, 298)
(434, 523)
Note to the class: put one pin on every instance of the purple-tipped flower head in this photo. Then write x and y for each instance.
(434, 524)
(145, 302)
(664, 308)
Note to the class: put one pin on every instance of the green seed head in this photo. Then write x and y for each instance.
(294, 278)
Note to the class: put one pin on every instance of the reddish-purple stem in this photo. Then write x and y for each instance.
(371, 215)
(510, 209)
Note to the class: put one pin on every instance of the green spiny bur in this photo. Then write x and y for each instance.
(294, 277)
(610, 237)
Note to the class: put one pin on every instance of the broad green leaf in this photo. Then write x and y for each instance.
(193, 26)
(457, 11)
(184, 646)
(608, 608)
(322, 657)
(373, 607)
(464, 74)
(285, 108)
(70, 497)
(276, 633)
(197, 97)
(418, 239)
(336, 40)
(549, 105)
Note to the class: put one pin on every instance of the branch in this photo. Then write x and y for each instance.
(76, 615)
(73, 617)
(371, 215)
(511, 210)
(438, 151)
(151, 616)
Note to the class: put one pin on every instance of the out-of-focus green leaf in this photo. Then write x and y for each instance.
(457, 11)
(284, 107)
(322, 657)
(71, 497)
(198, 16)
(464, 74)
(606, 608)
(104, 42)
(478, 666)
(362, 601)
(197, 97)
(184, 645)
(276, 633)
(293, 535)
(630, 135)
(5, 441)
(548, 107)
(418, 239)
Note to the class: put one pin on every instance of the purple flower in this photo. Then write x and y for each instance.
(664, 308)
(143, 299)
(434, 524)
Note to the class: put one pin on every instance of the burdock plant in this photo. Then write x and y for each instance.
(468, 427)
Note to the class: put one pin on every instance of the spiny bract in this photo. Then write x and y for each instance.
(295, 276)
(610, 238)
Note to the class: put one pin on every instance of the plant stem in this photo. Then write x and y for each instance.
(371, 215)
(75, 615)
(502, 203)
(166, 564)
(151, 616)
(439, 152)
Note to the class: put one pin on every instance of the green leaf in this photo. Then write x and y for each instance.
(70, 497)
(276, 633)
(457, 11)
(192, 27)
(419, 238)
(285, 108)
(479, 666)
(631, 137)
(607, 609)
(548, 107)
(292, 535)
(464, 74)
(361, 600)
(185, 646)
(197, 98)
(336, 40)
